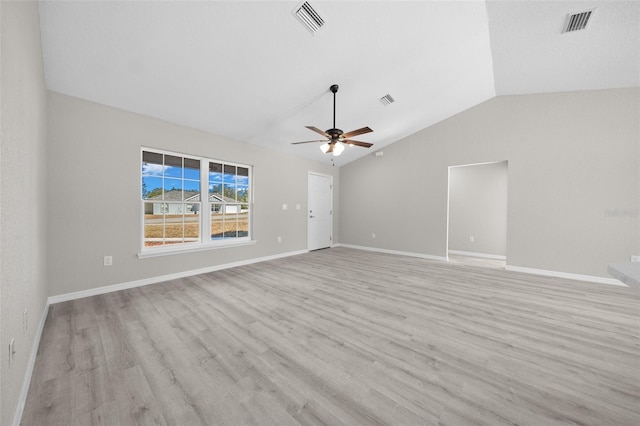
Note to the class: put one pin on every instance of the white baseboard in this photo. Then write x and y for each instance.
(401, 253)
(153, 280)
(566, 275)
(31, 362)
(474, 254)
(556, 274)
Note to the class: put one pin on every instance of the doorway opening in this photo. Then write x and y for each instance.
(477, 214)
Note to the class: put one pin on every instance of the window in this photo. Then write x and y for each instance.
(173, 205)
(229, 201)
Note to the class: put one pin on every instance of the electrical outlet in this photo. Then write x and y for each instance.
(635, 258)
(279, 239)
(373, 235)
(108, 260)
(297, 206)
(471, 238)
(285, 207)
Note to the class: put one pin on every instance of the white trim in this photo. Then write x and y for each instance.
(193, 248)
(556, 274)
(479, 164)
(401, 253)
(31, 362)
(566, 275)
(153, 280)
(446, 241)
(474, 254)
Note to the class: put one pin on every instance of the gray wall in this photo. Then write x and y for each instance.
(478, 208)
(22, 193)
(573, 159)
(94, 204)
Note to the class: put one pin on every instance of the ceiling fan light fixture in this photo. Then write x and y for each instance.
(336, 138)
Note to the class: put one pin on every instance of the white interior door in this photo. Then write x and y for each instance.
(319, 223)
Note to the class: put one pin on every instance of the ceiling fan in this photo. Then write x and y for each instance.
(336, 138)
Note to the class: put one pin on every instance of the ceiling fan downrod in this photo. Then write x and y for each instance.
(334, 89)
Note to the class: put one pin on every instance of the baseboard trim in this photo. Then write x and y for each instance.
(22, 399)
(566, 275)
(474, 254)
(401, 253)
(153, 280)
(543, 272)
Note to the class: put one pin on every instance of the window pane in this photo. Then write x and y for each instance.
(191, 227)
(192, 169)
(242, 189)
(243, 193)
(153, 224)
(229, 184)
(217, 221)
(243, 221)
(215, 180)
(229, 193)
(173, 166)
(243, 171)
(191, 190)
(230, 222)
(152, 164)
(229, 174)
(173, 189)
(151, 188)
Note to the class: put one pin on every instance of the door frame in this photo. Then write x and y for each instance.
(449, 196)
(309, 174)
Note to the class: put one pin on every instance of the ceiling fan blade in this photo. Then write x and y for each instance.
(357, 143)
(319, 140)
(315, 129)
(357, 132)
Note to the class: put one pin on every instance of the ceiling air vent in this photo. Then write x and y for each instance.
(577, 21)
(387, 100)
(308, 16)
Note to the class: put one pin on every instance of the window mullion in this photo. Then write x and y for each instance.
(205, 208)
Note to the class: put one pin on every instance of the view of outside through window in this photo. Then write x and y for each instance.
(171, 194)
(229, 198)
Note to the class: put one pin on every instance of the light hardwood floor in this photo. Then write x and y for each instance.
(343, 336)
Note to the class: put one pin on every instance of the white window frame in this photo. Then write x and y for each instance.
(205, 242)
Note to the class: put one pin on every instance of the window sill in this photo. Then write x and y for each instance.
(192, 249)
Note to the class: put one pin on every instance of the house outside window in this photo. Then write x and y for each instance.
(173, 206)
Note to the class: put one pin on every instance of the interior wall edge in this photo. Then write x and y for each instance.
(22, 399)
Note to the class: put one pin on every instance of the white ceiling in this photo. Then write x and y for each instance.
(250, 71)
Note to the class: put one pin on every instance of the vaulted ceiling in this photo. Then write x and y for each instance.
(250, 70)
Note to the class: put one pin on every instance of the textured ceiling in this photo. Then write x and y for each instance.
(250, 71)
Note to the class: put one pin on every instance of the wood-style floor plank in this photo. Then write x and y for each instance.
(342, 336)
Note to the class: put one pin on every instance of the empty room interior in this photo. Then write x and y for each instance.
(322, 212)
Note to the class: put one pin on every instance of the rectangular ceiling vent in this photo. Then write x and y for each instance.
(577, 21)
(387, 100)
(309, 17)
